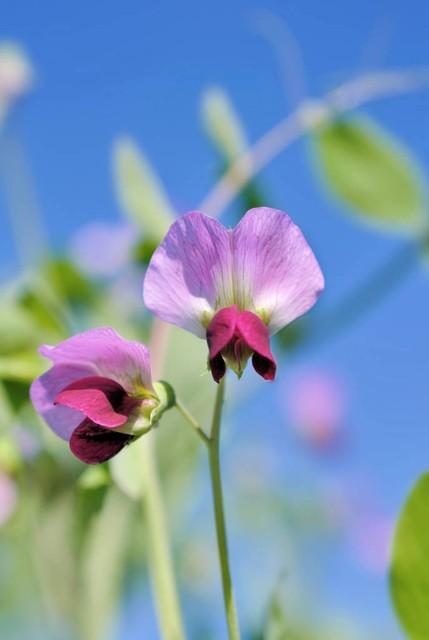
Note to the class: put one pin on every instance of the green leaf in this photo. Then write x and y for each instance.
(127, 472)
(16, 327)
(409, 573)
(23, 366)
(103, 561)
(224, 129)
(222, 124)
(67, 281)
(371, 172)
(140, 192)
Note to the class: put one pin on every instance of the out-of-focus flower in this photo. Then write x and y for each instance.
(27, 443)
(370, 539)
(8, 497)
(103, 248)
(233, 287)
(316, 406)
(98, 395)
(16, 72)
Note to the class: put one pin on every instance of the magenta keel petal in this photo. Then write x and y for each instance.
(232, 336)
(99, 399)
(93, 444)
(254, 334)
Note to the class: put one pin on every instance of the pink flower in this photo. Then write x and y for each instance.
(16, 73)
(116, 241)
(371, 539)
(234, 287)
(316, 408)
(98, 395)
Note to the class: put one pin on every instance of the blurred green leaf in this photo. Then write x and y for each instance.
(371, 172)
(16, 327)
(22, 366)
(103, 565)
(94, 477)
(178, 446)
(409, 574)
(54, 557)
(126, 470)
(143, 250)
(140, 191)
(224, 129)
(222, 124)
(67, 281)
(276, 624)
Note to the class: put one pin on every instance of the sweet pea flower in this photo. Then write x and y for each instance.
(316, 408)
(234, 287)
(98, 395)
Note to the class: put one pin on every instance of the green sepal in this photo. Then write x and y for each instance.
(167, 399)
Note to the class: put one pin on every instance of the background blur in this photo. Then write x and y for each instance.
(318, 464)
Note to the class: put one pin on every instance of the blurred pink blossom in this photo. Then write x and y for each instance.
(370, 540)
(16, 73)
(316, 406)
(103, 248)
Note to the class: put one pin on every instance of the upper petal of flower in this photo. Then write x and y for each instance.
(275, 271)
(189, 274)
(104, 352)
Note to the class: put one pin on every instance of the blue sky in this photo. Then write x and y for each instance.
(105, 69)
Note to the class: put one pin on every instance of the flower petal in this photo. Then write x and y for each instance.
(190, 272)
(274, 268)
(96, 398)
(219, 333)
(44, 390)
(93, 444)
(256, 336)
(107, 354)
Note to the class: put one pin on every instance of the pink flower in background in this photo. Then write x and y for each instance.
(8, 497)
(102, 248)
(98, 394)
(16, 73)
(234, 287)
(316, 406)
(370, 539)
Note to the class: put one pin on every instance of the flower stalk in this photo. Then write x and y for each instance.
(212, 443)
(219, 514)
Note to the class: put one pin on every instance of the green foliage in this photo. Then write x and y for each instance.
(409, 575)
(370, 171)
(224, 129)
(222, 124)
(22, 366)
(67, 281)
(140, 191)
(103, 561)
(127, 472)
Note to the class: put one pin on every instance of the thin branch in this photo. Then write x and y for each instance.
(192, 422)
(310, 114)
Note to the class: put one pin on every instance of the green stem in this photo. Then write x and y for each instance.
(230, 609)
(159, 553)
(192, 421)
